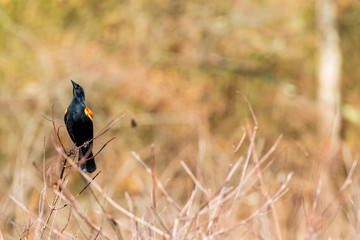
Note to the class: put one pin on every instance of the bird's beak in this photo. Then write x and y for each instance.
(74, 84)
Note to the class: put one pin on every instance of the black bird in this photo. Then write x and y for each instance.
(78, 121)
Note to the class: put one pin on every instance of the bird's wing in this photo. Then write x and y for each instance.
(88, 122)
(70, 131)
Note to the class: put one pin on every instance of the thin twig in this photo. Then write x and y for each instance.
(40, 220)
(67, 197)
(81, 225)
(198, 184)
(42, 194)
(107, 128)
(103, 147)
(132, 221)
(111, 201)
(159, 184)
(261, 210)
(67, 222)
(72, 200)
(343, 187)
(240, 142)
(223, 190)
(153, 192)
(186, 208)
(264, 191)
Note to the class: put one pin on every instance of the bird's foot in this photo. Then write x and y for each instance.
(72, 151)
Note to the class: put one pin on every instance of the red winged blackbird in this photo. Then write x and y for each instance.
(78, 121)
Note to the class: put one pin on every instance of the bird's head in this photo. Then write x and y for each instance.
(78, 91)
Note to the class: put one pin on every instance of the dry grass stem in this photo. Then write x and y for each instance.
(208, 213)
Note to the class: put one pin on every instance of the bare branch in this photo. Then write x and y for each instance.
(159, 184)
(111, 201)
(40, 220)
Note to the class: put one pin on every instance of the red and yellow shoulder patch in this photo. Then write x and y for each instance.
(65, 111)
(88, 113)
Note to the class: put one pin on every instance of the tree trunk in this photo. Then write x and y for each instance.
(329, 72)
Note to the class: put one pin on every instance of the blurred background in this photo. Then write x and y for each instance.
(181, 69)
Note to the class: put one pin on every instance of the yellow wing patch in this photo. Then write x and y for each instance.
(88, 113)
(65, 111)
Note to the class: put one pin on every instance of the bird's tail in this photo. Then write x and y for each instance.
(88, 164)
